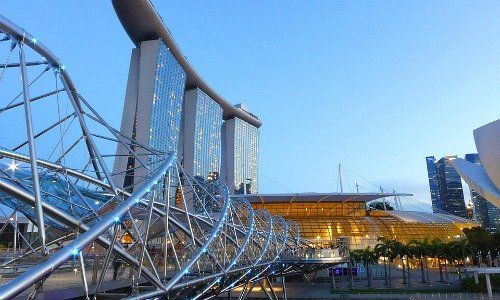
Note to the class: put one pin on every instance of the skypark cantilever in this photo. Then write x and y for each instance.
(142, 23)
(169, 107)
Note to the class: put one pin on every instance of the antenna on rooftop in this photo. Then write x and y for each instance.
(383, 198)
(340, 178)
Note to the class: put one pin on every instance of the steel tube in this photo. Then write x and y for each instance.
(27, 279)
(32, 150)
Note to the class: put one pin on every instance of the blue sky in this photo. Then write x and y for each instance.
(375, 85)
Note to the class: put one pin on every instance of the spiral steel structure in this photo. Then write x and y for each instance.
(184, 240)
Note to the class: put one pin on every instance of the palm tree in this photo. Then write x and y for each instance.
(355, 257)
(382, 251)
(421, 249)
(410, 254)
(464, 246)
(438, 250)
(388, 250)
(402, 251)
(456, 254)
(369, 257)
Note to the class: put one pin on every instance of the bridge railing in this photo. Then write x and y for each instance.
(312, 254)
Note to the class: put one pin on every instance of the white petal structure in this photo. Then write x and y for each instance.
(485, 179)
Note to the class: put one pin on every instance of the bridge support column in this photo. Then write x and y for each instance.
(284, 289)
(333, 277)
(488, 286)
(263, 284)
(476, 278)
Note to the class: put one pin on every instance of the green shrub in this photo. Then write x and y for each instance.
(468, 285)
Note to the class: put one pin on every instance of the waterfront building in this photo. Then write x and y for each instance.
(169, 107)
(485, 212)
(484, 178)
(327, 218)
(451, 196)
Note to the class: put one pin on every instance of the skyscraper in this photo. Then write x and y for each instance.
(485, 212)
(241, 152)
(449, 187)
(169, 107)
(432, 173)
(202, 134)
(152, 112)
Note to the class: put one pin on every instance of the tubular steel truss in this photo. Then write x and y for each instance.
(172, 235)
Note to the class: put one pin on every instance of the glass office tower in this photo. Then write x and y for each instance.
(450, 185)
(202, 134)
(451, 196)
(241, 168)
(432, 173)
(485, 212)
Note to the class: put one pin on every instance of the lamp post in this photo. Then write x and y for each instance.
(15, 232)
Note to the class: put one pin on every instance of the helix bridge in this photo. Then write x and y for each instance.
(167, 234)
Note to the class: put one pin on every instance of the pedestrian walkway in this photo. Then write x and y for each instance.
(321, 291)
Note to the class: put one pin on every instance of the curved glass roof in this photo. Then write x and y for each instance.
(74, 199)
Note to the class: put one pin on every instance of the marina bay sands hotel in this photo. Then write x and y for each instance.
(170, 108)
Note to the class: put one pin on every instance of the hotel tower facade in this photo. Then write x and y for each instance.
(170, 108)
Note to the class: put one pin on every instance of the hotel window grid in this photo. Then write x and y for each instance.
(207, 139)
(166, 110)
(246, 155)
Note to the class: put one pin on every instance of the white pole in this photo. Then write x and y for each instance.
(244, 179)
(488, 286)
(340, 179)
(15, 232)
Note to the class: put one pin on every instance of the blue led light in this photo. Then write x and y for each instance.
(63, 67)
(74, 252)
(117, 219)
(34, 40)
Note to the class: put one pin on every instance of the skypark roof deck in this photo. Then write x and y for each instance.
(142, 23)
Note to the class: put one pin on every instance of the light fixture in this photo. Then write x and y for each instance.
(13, 166)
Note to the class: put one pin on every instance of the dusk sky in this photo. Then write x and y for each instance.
(374, 85)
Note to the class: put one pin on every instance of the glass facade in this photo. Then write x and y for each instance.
(432, 173)
(485, 212)
(446, 187)
(450, 186)
(166, 111)
(324, 223)
(246, 157)
(203, 142)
